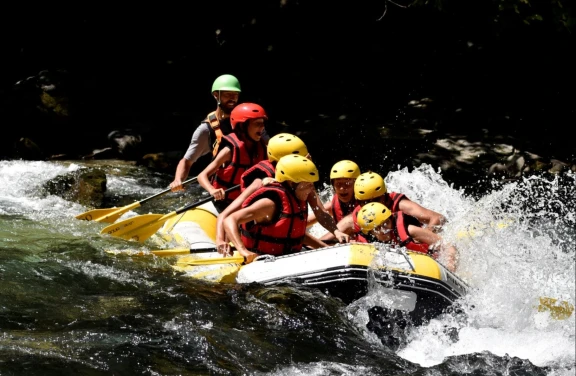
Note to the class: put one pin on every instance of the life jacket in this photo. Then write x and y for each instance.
(261, 170)
(218, 129)
(340, 209)
(284, 234)
(390, 199)
(403, 238)
(241, 160)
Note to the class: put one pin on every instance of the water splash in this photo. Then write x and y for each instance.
(516, 244)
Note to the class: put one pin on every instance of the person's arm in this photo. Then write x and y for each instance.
(223, 156)
(199, 145)
(258, 211)
(346, 225)
(430, 218)
(313, 242)
(324, 218)
(312, 220)
(222, 244)
(447, 252)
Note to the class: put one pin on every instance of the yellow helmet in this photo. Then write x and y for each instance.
(297, 169)
(284, 144)
(344, 169)
(368, 186)
(371, 216)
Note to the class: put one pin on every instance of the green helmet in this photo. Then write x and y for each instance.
(226, 82)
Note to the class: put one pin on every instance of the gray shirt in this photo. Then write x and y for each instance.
(200, 143)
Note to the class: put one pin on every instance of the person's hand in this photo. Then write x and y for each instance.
(176, 185)
(224, 248)
(218, 194)
(341, 236)
(267, 181)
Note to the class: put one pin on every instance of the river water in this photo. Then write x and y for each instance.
(67, 307)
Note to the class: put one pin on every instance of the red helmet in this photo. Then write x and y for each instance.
(245, 111)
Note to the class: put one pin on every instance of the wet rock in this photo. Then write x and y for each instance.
(28, 150)
(127, 143)
(162, 161)
(85, 186)
(105, 153)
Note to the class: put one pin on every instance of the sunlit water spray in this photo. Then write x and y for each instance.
(516, 244)
(510, 254)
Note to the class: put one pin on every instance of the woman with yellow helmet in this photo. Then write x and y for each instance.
(378, 223)
(273, 219)
(342, 177)
(280, 145)
(370, 187)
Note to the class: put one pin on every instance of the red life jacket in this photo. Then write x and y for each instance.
(261, 170)
(403, 238)
(401, 221)
(340, 209)
(241, 160)
(285, 233)
(391, 200)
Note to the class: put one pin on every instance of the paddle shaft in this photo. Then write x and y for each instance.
(142, 227)
(203, 201)
(214, 261)
(191, 180)
(111, 215)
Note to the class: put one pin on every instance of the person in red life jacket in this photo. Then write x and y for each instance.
(206, 139)
(240, 150)
(273, 219)
(342, 176)
(370, 187)
(280, 145)
(378, 223)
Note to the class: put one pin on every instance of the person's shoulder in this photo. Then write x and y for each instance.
(203, 127)
(395, 195)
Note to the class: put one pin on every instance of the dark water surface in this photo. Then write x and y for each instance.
(69, 308)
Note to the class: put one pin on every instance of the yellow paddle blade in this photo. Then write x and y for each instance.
(474, 231)
(559, 310)
(196, 260)
(106, 215)
(137, 228)
(157, 252)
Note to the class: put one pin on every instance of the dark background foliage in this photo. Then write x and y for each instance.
(333, 72)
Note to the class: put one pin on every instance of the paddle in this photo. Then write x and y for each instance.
(163, 252)
(214, 261)
(142, 227)
(111, 215)
(235, 259)
(559, 310)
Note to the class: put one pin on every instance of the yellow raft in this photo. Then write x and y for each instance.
(416, 282)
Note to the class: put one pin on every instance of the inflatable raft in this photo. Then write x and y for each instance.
(416, 283)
